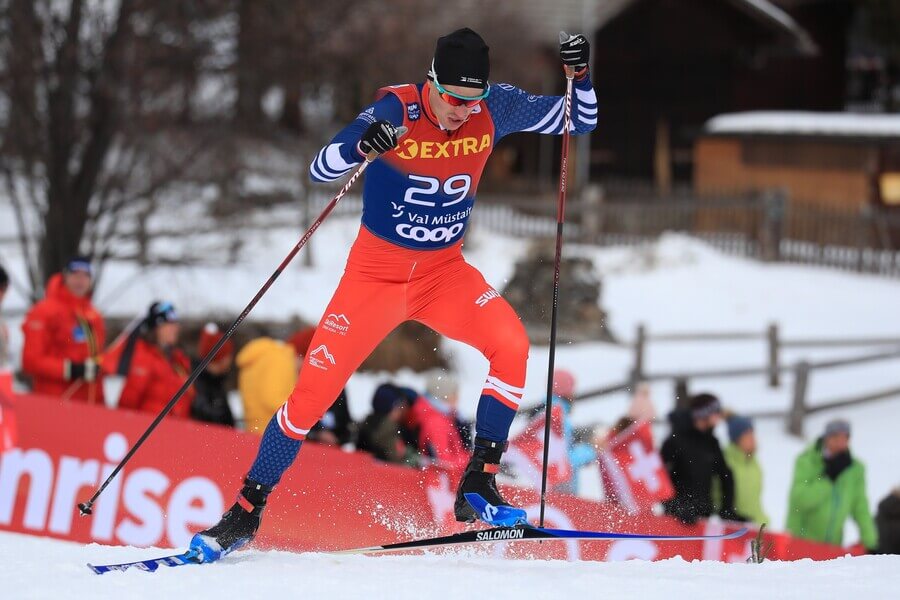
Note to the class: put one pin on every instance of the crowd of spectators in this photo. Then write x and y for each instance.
(65, 355)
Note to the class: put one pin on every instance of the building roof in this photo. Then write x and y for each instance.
(806, 124)
(763, 11)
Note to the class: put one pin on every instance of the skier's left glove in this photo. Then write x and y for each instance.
(575, 52)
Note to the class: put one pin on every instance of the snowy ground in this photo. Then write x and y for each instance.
(675, 285)
(255, 574)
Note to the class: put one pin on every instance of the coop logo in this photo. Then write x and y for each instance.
(320, 356)
(487, 297)
(336, 323)
(141, 507)
(419, 233)
(410, 148)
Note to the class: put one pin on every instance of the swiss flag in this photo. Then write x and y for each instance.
(633, 474)
(526, 453)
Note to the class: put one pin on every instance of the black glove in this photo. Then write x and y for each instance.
(574, 50)
(86, 370)
(836, 464)
(380, 137)
(729, 514)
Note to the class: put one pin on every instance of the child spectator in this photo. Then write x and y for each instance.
(580, 453)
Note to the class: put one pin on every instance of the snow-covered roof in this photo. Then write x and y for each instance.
(797, 123)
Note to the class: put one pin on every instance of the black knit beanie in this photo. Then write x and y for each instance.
(461, 58)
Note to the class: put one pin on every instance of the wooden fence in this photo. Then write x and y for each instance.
(766, 227)
(800, 406)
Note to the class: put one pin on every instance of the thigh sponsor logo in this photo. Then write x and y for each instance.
(320, 358)
(419, 233)
(336, 323)
(487, 297)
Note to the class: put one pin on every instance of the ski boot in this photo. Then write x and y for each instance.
(236, 528)
(478, 489)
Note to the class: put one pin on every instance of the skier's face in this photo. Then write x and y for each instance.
(451, 117)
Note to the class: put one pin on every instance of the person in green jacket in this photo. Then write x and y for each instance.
(829, 485)
(740, 455)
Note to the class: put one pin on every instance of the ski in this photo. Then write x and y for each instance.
(529, 533)
(520, 533)
(191, 557)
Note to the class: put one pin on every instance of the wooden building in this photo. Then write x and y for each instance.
(663, 68)
(837, 161)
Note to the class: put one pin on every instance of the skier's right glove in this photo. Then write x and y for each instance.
(86, 370)
(380, 137)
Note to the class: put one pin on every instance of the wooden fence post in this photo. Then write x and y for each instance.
(682, 393)
(774, 208)
(774, 374)
(637, 372)
(798, 409)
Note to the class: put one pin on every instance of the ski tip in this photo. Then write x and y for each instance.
(736, 534)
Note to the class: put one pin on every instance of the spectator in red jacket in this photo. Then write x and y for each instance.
(64, 337)
(153, 367)
(434, 415)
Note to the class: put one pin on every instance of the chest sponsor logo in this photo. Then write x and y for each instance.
(320, 358)
(336, 323)
(445, 219)
(419, 233)
(410, 149)
(412, 111)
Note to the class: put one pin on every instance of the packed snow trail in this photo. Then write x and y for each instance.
(41, 568)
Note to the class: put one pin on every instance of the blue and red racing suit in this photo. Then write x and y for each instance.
(407, 264)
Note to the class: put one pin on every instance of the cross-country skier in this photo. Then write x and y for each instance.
(407, 264)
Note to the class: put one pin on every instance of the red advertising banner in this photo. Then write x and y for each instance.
(187, 473)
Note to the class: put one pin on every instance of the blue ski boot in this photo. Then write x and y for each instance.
(479, 479)
(237, 527)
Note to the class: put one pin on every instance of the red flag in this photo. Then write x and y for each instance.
(632, 472)
(526, 453)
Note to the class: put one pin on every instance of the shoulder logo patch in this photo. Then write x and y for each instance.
(412, 111)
